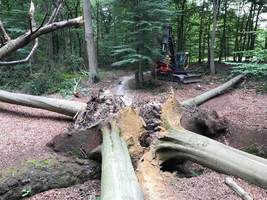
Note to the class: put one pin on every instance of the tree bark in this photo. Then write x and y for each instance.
(213, 35)
(25, 39)
(240, 191)
(253, 39)
(90, 43)
(223, 50)
(69, 108)
(118, 180)
(3, 31)
(200, 34)
(200, 99)
(177, 143)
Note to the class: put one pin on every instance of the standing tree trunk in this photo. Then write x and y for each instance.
(213, 34)
(180, 27)
(253, 39)
(200, 36)
(90, 43)
(98, 8)
(223, 50)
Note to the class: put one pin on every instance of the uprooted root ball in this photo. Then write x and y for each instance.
(204, 122)
(99, 107)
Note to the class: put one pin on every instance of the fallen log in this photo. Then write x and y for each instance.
(240, 191)
(120, 136)
(35, 176)
(198, 100)
(118, 181)
(69, 108)
(177, 143)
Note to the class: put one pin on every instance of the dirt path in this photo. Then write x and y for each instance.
(25, 132)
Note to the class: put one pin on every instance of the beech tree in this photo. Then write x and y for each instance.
(90, 43)
(213, 35)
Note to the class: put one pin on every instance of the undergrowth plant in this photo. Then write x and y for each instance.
(256, 67)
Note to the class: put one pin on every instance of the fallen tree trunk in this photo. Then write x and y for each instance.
(178, 143)
(198, 100)
(118, 181)
(69, 108)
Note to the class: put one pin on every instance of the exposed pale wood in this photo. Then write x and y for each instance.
(69, 108)
(118, 180)
(200, 99)
(178, 143)
(3, 31)
(239, 190)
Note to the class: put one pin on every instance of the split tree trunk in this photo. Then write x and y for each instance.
(177, 143)
(118, 181)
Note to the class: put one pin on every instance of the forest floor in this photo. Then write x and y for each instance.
(25, 132)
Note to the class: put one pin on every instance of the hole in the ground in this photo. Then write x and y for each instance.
(182, 169)
(171, 165)
(203, 129)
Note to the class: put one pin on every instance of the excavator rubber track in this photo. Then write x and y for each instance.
(181, 78)
(187, 78)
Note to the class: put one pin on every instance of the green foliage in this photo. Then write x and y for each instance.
(73, 62)
(256, 67)
(42, 83)
(26, 192)
(251, 69)
(127, 34)
(256, 150)
(142, 23)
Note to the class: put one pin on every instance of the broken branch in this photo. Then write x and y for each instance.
(240, 191)
(25, 39)
(25, 60)
(3, 31)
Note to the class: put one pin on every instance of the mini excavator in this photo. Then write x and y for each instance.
(173, 66)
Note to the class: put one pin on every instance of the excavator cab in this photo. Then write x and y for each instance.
(173, 65)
